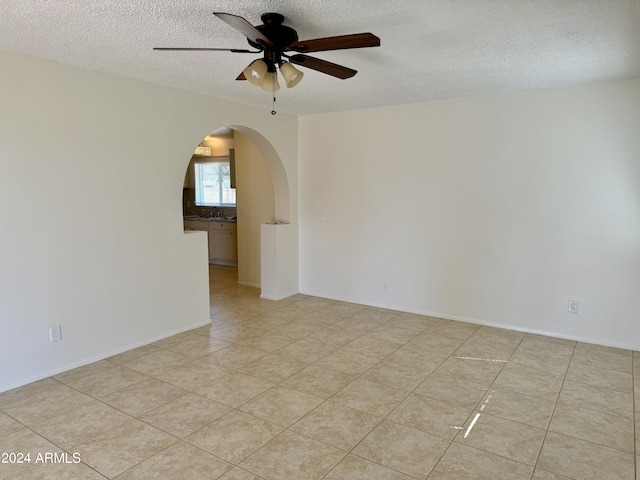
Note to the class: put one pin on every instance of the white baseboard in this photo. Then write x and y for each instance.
(279, 297)
(447, 316)
(220, 261)
(101, 356)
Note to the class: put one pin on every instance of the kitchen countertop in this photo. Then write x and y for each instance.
(210, 219)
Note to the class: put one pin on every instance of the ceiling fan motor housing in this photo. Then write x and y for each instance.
(280, 35)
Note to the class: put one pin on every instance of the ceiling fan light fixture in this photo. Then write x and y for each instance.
(291, 74)
(255, 72)
(270, 82)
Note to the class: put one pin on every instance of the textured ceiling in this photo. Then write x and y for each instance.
(431, 49)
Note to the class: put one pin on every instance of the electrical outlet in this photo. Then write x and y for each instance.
(384, 287)
(320, 216)
(55, 333)
(573, 306)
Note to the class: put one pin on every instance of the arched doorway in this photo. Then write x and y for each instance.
(262, 197)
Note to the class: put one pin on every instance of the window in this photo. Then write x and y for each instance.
(213, 184)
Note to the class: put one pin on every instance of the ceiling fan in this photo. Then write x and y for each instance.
(273, 39)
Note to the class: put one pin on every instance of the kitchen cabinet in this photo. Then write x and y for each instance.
(222, 243)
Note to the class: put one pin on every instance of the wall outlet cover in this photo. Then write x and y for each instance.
(55, 333)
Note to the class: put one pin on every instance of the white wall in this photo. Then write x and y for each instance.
(255, 206)
(91, 175)
(495, 209)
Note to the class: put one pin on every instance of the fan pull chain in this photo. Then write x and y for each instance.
(273, 87)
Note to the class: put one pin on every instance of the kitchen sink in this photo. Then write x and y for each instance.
(209, 219)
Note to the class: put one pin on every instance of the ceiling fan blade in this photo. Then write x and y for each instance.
(323, 66)
(187, 49)
(241, 77)
(244, 27)
(357, 40)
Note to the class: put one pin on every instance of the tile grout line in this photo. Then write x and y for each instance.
(469, 416)
(328, 399)
(259, 418)
(451, 441)
(564, 377)
(351, 451)
(476, 406)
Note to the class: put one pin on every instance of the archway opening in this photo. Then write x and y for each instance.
(234, 184)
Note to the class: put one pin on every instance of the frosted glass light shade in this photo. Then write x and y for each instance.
(270, 82)
(255, 72)
(291, 74)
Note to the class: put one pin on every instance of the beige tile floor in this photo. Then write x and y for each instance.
(308, 388)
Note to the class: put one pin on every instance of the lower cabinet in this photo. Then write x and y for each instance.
(222, 243)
